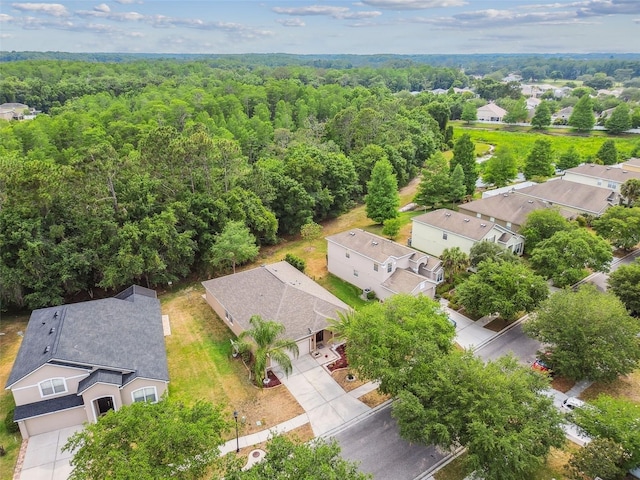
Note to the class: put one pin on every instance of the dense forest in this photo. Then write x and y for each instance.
(137, 165)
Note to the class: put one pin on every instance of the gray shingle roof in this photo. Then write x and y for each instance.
(509, 207)
(277, 292)
(405, 281)
(100, 376)
(615, 174)
(594, 200)
(47, 406)
(123, 334)
(455, 222)
(372, 246)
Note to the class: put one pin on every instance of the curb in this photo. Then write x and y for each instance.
(427, 474)
(500, 333)
(357, 419)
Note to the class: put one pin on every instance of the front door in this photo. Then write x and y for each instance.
(103, 405)
(319, 337)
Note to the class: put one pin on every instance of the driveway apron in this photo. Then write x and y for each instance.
(327, 405)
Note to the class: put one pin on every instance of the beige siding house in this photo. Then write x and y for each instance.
(436, 231)
(633, 164)
(376, 264)
(277, 292)
(603, 176)
(490, 113)
(78, 361)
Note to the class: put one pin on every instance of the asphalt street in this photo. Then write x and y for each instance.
(376, 444)
(511, 341)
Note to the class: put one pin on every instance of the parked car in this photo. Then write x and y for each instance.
(542, 365)
(571, 403)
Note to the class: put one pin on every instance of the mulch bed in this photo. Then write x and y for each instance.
(273, 380)
(562, 384)
(497, 324)
(341, 362)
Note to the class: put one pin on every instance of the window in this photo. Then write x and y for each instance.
(492, 219)
(53, 386)
(389, 267)
(440, 277)
(479, 215)
(612, 185)
(147, 394)
(346, 254)
(444, 235)
(508, 224)
(228, 316)
(375, 267)
(355, 273)
(599, 182)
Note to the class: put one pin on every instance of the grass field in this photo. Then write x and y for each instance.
(521, 140)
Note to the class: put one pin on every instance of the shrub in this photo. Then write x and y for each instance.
(371, 295)
(580, 220)
(295, 261)
(9, 424)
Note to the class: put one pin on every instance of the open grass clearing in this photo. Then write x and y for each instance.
(10, 342)
(627, 386)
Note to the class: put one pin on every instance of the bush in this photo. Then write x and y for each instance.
(580, 220)
(296, 262)
(371, 295)
(9, 424)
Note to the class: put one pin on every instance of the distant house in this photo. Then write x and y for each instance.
(376, 264)
(490, 113)
(562, 115)
(277, 292)
(531, 105)
(436, 231)
(439, 91)
(16, 111)
(78, 361)
(603, 176)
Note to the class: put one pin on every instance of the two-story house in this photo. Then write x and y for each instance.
(377, 264)
(603, 176)
(78, 361)
(441, 229)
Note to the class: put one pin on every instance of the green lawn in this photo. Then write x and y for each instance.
(348, 293)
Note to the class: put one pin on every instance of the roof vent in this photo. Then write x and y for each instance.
(529, 201)
(352, 233)
(447, 214)
(624, 171)
(374, 243)
(505, 194)
(53, 329)
(46, 349)
(483, 225)
(466, 219)
(608, 168)
(55, 314)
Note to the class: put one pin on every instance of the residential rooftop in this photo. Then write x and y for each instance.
(456, 222)
(371, 245)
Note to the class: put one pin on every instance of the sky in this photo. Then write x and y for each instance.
(322, 27)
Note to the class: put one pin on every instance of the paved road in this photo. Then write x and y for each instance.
(600, 279)
(513, 340)
(376, 444)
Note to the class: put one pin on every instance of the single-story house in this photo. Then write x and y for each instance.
(277, 292)
(509, 209)
(490, 113)
(17, 111)
(441, 229)
(78, 361)
(562, 115)
(379, 265)
(603, 176)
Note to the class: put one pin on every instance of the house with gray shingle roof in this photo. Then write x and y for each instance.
(603, 176)
(436, 231)
(377, 264)
(277, 292)
(490, 113)
(78, 361)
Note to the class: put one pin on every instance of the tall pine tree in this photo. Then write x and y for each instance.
(620, 120)
(582, 117)
(464, 154)
(434, 186)
(382, 201)
(539, 162)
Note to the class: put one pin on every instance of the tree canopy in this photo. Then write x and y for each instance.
(539, 162)
(385, 341)
(565, 256)
(497, 410)
(542, 116)
(620, 119)
(625, 284)
(464, 154)
(150, 440)
(382, 200)
(582, 118)
(541, 225)
(589, 334)
(501, 169)
(619, 225)
(506, 288)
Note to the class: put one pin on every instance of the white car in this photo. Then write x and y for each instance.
(571, 403)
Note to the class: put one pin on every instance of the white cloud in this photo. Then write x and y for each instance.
(610, 7)
(53, 9)
(325, 10)
(5, 18)
(103, 7)
(127, 2)
(108, 15)
(6, 35)
(414, 4)
(290, 22)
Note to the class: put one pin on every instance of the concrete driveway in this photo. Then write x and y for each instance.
(326, 404)
(44, 459)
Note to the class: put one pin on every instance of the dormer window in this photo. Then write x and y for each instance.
(389, 267)
(52, 386)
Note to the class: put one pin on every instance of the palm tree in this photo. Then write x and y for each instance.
(630, 190)
(268, 346)
(454, 261)
(340, 326)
